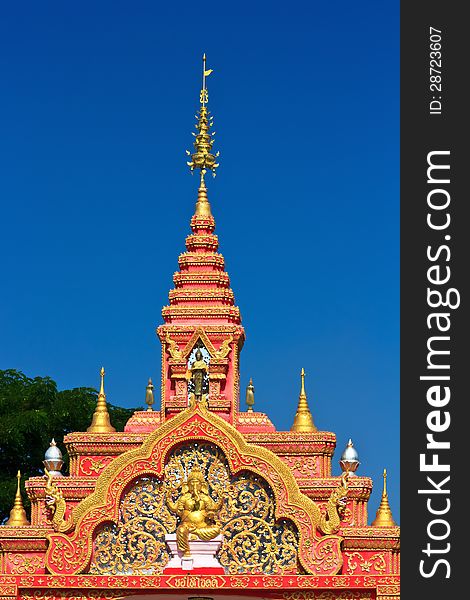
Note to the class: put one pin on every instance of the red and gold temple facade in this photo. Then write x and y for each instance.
(201, 472)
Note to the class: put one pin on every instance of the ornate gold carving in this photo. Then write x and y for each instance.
(357, 562)
(317, 555)
(371, 581)
(75, 594)
(208, 311)
(173, 347)
(224, 349)
(328, 595)
(388, 591)
(136, 545)
(305, 466)
(253, 541)
(24, 564)
(94, 466)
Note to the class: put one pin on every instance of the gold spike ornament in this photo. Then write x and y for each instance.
(250, 395)
(100, 422)
(303, 421)
(17, 514)
(149, 400)
(384, 516)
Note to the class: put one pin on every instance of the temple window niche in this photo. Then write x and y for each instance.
(198, 374)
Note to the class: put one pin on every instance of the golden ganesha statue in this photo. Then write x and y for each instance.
(196, 509)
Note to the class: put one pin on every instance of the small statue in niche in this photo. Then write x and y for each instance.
(196, 374)
(196, 510)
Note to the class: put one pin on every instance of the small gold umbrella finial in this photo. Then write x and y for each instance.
(383, 517)
(101, 422)
(303, 421)
(17, 514)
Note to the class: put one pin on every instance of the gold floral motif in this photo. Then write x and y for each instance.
(94, 466)
(390, 590)
(8, 588)
(24, 564)
(376, 562)
(29, 594)
(303, 465)
(242, 582)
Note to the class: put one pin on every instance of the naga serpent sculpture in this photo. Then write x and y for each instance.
(56, 505)
(331, 521)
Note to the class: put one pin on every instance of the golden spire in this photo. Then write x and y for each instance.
(303, 421)
(17, 514)
(383, 517)
(100, 422)
(250, 395)
(149, 395)
(203, 208)
(203, 158)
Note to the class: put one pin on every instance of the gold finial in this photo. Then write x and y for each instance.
(250, 395)
(100, 422)
(302, 383)
(303, 421)
(203, 158)
(203, 208)
(17, 514)
(149, 395)
(383, 517)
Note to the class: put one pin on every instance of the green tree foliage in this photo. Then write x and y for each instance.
(32, 412)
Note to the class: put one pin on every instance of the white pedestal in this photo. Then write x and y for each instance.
(202, 554)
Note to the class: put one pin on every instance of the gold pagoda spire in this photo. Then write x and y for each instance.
(100, 422)
(203, 208)
(17, 514)
(203, 158)
(303, 421)
(383, 517)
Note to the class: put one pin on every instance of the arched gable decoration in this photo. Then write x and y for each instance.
(70, 554)
(199, 334)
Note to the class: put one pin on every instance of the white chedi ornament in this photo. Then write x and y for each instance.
(53, 459)
(349, 461)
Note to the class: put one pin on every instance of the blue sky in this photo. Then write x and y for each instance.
(97, 107)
